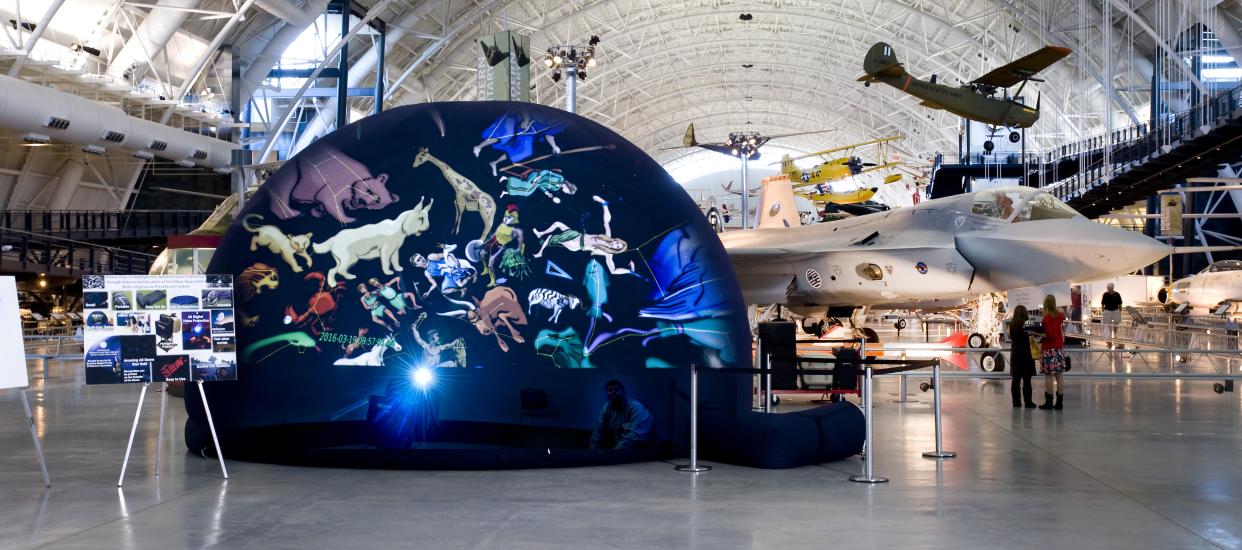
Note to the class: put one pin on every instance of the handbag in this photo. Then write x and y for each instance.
(1034, 343)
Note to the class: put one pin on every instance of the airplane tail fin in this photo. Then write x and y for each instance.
(776, 204)
(688, 140)
(881, 61)
(788, 168)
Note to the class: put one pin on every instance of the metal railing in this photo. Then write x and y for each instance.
(1135, 144)
(27, 251)
(96, 224)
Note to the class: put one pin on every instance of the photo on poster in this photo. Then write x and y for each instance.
(222, 321)
(151, 299)
(195, 330)
(133, 323)
(218, 298)
(224, 343)
(123, 359)
(98, 320)
(95, 300)
(167, 331)
(122, 300)
(183, 301)
(171, 368)
(214, 368)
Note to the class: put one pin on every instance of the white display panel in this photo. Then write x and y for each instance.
(13, 365)
(158, 328)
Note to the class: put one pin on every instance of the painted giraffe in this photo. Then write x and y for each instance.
(469, 196)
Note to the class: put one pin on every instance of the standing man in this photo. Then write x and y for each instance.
(1111, 304)
(623, 423)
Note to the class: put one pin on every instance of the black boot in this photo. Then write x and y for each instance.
(1015, 392)
(1026, 395)
(1058, 405)
(1047, 402)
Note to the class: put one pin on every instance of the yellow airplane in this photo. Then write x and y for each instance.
(848, 197)
(834, 169)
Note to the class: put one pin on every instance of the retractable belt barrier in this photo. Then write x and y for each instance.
(867, 475)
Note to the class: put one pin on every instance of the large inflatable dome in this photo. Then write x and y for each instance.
(452, 284)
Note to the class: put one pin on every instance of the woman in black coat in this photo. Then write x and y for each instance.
(1021, 365)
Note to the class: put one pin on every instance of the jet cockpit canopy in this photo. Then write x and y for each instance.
(1223, 265)
(1020, 204)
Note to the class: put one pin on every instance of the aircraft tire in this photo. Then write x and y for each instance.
(992, 362)
(976, 340)
(1014, 137)
(988, 146)
(1218, 388)
(924, 386)
(900, 324)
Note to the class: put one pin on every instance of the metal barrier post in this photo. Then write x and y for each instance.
(939, 452)
(767, 393)
(694, 465)
(868, 446)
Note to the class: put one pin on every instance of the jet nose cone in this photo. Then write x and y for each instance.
(1050, 251)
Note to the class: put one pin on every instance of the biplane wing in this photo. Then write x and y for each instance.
(1024, 67)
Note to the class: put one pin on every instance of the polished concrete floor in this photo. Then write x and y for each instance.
(1142, 464)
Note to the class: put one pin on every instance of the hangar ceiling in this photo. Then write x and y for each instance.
(791, 67)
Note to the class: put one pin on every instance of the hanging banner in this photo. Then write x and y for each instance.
(13, 367)
(1170, 215)
(158, 328)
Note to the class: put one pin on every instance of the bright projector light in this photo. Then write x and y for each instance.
(422, 377)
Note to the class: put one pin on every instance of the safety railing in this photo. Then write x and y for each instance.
(27, 251)
(1135, 144)
(97, 224)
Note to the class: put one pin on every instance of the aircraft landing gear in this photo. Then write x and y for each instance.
(1227, 386)
(977, 340)
(992, 361)
(866, 84)
(924, 386)
(1015, 137)
(988, 146)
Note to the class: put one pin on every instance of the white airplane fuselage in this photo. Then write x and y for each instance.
(1205, 291)
(934, 254)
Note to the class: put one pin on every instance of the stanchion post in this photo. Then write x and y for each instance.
(133, 430)
(939, 452)
(694, 465)
(767, 375)
(34, 436)
(212, 424)
(868, 475)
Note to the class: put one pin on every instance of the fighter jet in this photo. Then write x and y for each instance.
(1217, 285)
(931, 255)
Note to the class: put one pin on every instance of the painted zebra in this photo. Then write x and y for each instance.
(552, 300)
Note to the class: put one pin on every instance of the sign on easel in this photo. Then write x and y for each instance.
(13, 368)
(159, 328)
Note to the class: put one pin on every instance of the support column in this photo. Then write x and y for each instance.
(68, 178)
(342, 76)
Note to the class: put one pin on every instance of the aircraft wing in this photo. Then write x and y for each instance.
(1024, 67)
(848, 147)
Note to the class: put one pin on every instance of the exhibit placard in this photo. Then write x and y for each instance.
(1170, 215)
(13, 367)
(158, 328)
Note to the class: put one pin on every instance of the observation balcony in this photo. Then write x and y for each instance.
(101, 225)
(26, 252)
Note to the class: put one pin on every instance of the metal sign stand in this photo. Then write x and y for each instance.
(159, 438)
(34, 436)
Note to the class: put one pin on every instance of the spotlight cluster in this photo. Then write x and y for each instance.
(570, 57)
(743, 144)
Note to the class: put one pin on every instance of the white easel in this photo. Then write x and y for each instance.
(34, 436)
(159, 438)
